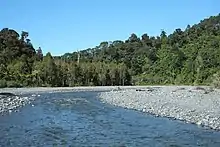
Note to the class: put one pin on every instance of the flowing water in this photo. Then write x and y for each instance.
(79, 119)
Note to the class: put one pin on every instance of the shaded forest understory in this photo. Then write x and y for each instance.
(189, 57)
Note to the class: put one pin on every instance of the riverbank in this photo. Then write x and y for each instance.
(21, 91)
(13, 98)
(62, 89)
(199, 105)
(192, 104)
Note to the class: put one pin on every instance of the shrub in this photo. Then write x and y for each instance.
(3, 83)
(216, 80)
(13, 84)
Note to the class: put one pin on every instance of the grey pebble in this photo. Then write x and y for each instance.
(187, 104)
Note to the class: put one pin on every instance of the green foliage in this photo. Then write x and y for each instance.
(189, 57)
(12, 84)
(3, 83)
(216, 80)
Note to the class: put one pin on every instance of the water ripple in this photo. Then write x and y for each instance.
(79, 119)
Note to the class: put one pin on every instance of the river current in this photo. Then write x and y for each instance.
(76, 119)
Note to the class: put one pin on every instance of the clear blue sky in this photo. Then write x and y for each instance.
(61, 26)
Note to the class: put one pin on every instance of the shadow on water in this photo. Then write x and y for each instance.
(79, 119)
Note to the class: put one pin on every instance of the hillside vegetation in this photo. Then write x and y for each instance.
(189, 57)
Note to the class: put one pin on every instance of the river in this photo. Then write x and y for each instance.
(79, 119)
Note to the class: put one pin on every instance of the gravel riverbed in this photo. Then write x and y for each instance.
(199, 105)
(11, 103)
(188, 103)
(13, 98)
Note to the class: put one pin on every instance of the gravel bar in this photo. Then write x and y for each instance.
(13, 98)
(199, 105)
(12, 103)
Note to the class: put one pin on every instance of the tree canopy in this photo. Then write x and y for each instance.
(190, 56)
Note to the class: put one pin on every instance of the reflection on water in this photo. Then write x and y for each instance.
(79, 119)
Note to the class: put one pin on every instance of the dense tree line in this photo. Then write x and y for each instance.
(22, 65)
(190, 56)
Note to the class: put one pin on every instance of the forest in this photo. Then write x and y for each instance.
(184, 57)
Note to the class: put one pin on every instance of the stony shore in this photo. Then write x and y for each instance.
(199, 105)
(12, 98)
